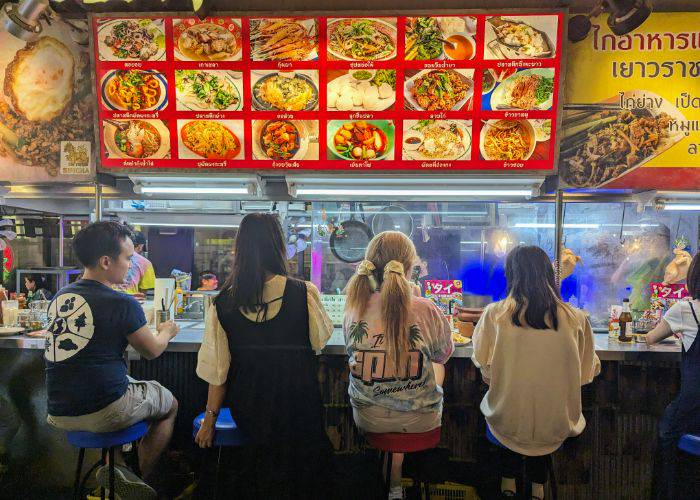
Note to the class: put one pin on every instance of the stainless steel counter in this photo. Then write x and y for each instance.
(190, 338)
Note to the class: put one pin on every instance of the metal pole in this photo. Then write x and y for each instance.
(98, 202)
(61, 241)
(559, 236)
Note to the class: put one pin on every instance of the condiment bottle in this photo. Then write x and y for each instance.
(625, 322)
(3, 297)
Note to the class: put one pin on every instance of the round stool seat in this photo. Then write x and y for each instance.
(690, 443)
(404, 442)
(227, 432)
(84, 439)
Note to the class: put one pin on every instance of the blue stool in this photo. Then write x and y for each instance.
(690, 444)
(107, 442)
(226, 433)
(523, 473)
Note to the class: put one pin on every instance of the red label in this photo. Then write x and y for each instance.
(676, 292)
(437, 288)
(297, 93)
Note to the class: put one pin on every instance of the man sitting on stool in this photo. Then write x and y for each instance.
(90, 327)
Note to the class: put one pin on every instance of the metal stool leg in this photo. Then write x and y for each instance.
(78, 470)
(103, 462)
(216, 476)
(111, 474)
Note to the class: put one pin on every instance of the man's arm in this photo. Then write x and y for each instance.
(151, 346)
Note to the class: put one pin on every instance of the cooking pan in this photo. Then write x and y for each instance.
(393, 218)
(350, 239)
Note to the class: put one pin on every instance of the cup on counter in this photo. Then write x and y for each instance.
(466, 328)
(161, 317)
(10, 310)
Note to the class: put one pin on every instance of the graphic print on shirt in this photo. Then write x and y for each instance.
(70, 329)
(371, 365)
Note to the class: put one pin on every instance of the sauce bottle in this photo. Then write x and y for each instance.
(625, 322)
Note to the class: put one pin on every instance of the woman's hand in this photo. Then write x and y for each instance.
(205, 434)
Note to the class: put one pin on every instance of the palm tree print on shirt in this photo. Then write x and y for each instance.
(358, 332)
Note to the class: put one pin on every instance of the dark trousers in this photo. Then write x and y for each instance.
(511, 465)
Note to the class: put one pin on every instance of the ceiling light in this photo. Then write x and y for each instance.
(680, 207)
(624, 17)
(537, 225)
(185, 224)
(193, 190)
(423, 193)
(22, 20)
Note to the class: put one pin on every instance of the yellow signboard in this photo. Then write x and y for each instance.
(632, 103)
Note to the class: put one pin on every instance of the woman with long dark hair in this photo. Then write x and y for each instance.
(535, 352)
(258, 358)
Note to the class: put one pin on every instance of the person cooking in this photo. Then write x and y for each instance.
(141, 276)
(36, 288)
(208, 281)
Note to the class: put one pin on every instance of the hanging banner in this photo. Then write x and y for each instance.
(46, 122)
(632, 106)
(447, 92)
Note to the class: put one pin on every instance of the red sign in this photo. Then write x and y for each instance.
(438, 288)
(311, 93)
(663, 291)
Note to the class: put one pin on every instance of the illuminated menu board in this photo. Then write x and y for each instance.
(452, 92)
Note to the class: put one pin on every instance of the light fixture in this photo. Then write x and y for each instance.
(185, 224)
(679, 207)
(537, 225)
(422, 193)
(624, 17)
(22, 20)
(240, 186)
(193, 190)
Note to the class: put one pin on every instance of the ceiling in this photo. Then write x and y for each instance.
(331, 5)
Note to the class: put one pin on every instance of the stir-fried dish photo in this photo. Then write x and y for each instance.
(602, 146)
(279, 139)
(507, 140)
(362, 40)
(208, 42)
(210, 140)
(133, 90)
(360, 140)
(439, 90)
(198, 89)
(286, 92)
(283, 39)
(134, 39)
(139, 139)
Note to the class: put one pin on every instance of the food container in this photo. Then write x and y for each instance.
(466, 328)
(9, 309)
(162, 317)
(23, 318)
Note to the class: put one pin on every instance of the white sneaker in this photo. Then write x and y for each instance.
(396, 493)
(127, 485)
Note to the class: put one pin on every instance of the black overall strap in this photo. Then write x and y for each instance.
(692, 309)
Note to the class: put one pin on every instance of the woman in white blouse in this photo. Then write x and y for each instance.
(535, 352)
(258, 356)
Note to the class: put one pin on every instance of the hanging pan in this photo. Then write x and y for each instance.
(393, 218)
(350, 239)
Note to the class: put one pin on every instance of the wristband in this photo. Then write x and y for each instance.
(213, 413)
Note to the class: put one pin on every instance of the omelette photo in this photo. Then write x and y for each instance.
(45, 99)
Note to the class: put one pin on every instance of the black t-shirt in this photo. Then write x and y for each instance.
(85, 366)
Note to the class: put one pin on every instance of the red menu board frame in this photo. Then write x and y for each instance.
(312, 140)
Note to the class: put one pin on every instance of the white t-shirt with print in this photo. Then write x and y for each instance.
(680, 319)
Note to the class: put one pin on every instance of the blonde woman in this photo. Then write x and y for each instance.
(535, 352)
(397, 343)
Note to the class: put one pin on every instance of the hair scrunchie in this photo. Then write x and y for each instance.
(394, 266)
(367, 268)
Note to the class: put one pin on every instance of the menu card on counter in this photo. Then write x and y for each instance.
(452, 92)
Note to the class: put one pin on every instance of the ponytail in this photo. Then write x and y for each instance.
(396, 302)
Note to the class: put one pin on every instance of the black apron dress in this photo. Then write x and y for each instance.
(682, 416)
(274, 395)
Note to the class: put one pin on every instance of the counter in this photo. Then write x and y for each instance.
(191, 332)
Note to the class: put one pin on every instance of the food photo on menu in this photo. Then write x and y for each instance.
(521, 37)
(360, 140)
(437, 140)
(515, 140)
(284, 39)
(134, 39)
(213, 39)
(285, 139)
(599, 145)
(361, 90)
(517, 89)
(361, 39)
(134, 90)
(436, 38)
(439, 89)
(284, 90)
(45, 102)
(208, 90)
(210, 140)
(136, 139)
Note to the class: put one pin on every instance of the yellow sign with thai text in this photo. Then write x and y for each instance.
(632, 104)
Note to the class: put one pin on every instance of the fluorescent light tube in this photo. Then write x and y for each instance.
(680, 207)
(179, 224)
(193, 190)
(536, 225)
(303, 191)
